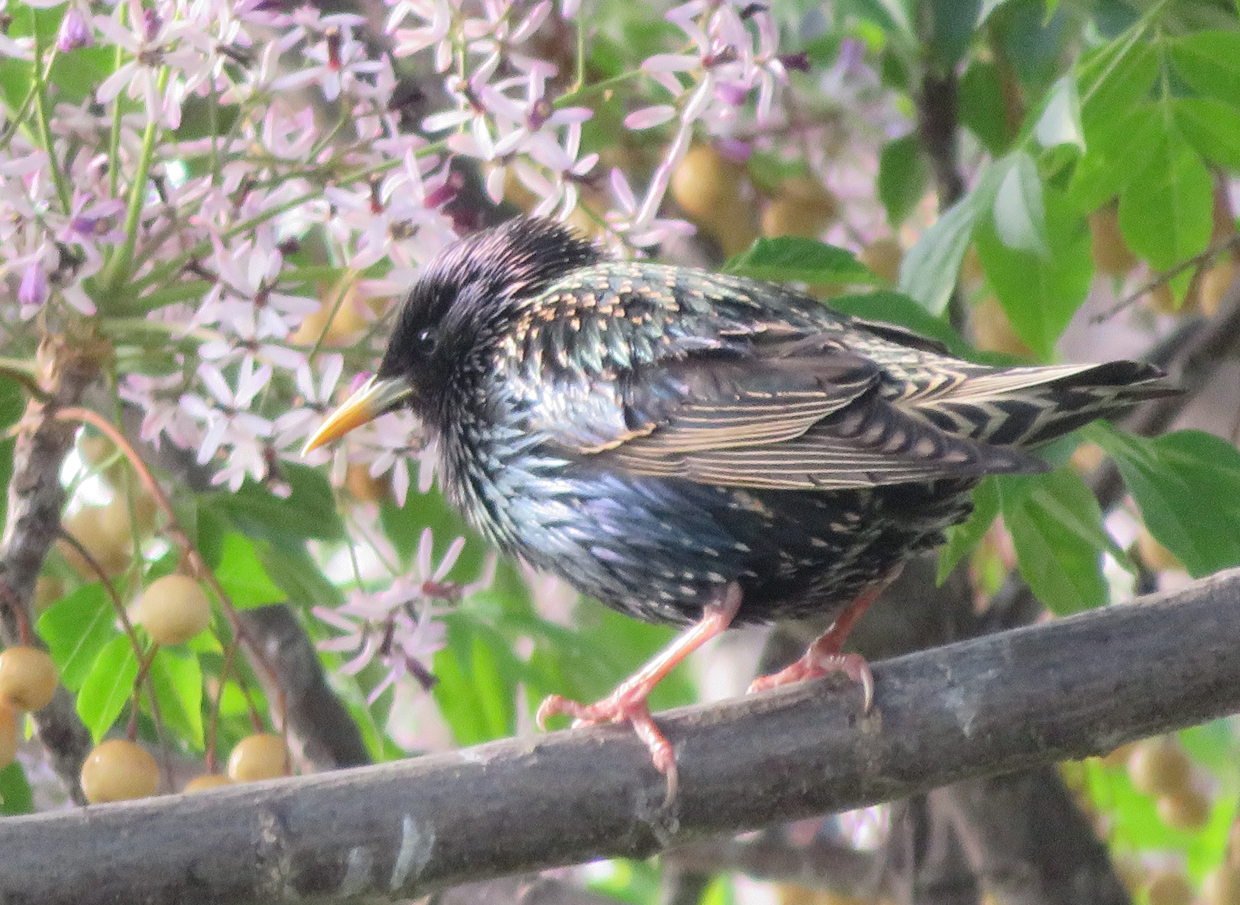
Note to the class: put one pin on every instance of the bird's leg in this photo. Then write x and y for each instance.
(628, 702)
(825, 655)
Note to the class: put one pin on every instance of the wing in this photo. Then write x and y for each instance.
(731, 382)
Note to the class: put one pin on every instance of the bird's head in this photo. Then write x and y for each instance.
(464, 294)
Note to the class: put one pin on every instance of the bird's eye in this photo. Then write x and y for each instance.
(427, 340)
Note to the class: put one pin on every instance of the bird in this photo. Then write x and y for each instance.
(699, 448)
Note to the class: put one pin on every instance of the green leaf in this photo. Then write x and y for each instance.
(897, 308)
(242, 575)
(929, 271)
(1187, 485)
(1165, 210)
(15, 794)
(300, 578)
(901, 177)
(1056, 528)
(1041, 293)
(1060, 122)
(949, 28)
(1209, 61)
(1211, 127)
(795, 259)
(962, 538)
(1019, 209)
(108, 687)
(177, 677)
(1115, 153)
(76, 628)
(309, 511)
(983, 109)
(1115, 82)
(477, 679)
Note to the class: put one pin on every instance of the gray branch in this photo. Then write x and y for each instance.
(1035, 695)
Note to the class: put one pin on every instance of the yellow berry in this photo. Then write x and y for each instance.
(704, 182)
(883, 256)
(339, 325)
(261, 756)
(1160, 768)
(118, 770)
(1110, 252)
(994, 332)
(363, 487)
(27, 678)
(1120, 755)
(47, 590)
(1155, 556)
(8, 735)
(1214, 284)
(111, 548)
(1221, 886)
(1189, 810)
(173, 609)
(206, 782)
(804, 207)
(1169, 887)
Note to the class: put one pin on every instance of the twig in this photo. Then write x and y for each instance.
(1231, 243)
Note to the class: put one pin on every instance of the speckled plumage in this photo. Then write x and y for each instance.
(654, 433)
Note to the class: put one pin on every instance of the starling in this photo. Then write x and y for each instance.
(698, 448)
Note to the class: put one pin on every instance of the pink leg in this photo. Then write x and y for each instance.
(824, 655)
(627, 704)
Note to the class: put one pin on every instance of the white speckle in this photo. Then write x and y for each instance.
(416, 845)
(356, 878)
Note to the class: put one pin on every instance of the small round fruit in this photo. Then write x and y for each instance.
(173, 609)
(1221, 886)
(115, 519)
(1161, 300)
(206, 782)
(1160, 768)
(883, 256)
(112, 549)
(338, 325)
(47, 590)
(365, 488)
(1188, 811)
(705, 182)
(118, 770)
(1107, 246)
(804, 207)
(1169, 887)
(27, 678)
(1155, 555)
(8, 735)
(1119, 757)
(994, 332)
(261, 756)
(1214, 285)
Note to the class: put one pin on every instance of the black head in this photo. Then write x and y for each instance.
(469, 289)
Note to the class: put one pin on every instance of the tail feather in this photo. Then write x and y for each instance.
(1030, 406)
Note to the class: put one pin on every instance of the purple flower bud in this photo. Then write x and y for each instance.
(75, 31)
(33, 288)
(796, 61)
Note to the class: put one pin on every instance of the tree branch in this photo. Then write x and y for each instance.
(1062, 689)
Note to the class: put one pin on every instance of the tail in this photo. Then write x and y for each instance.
(1031, 406)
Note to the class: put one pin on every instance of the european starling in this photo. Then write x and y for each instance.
(698, 448)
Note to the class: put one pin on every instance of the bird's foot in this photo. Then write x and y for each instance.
(817, 663)
(625, 705)
(825, 656)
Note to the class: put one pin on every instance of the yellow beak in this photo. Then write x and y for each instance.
(374, 398)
